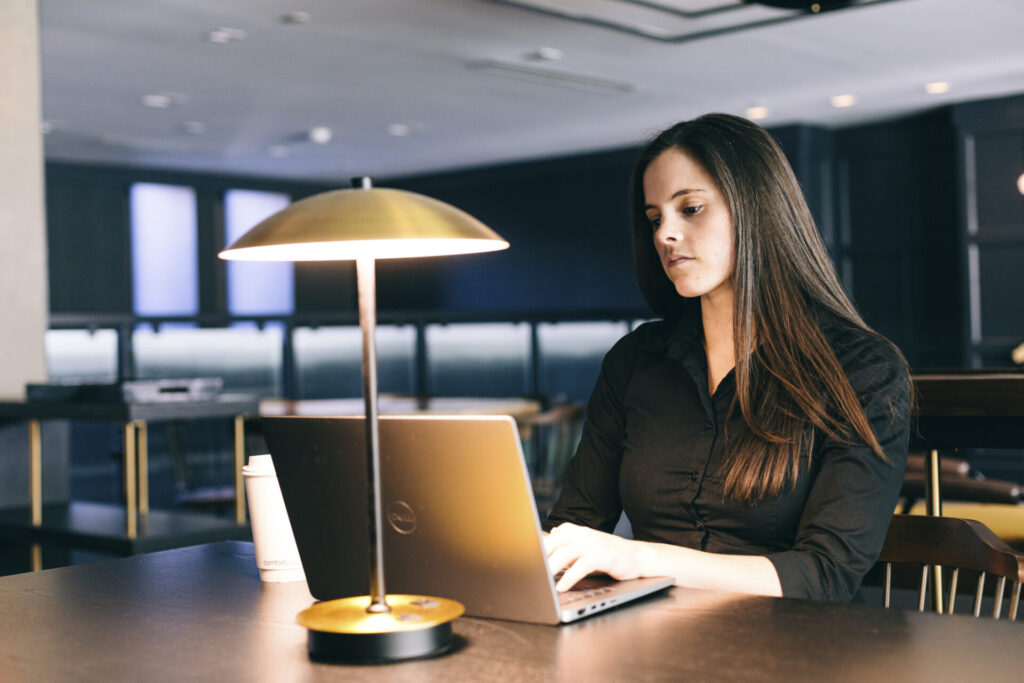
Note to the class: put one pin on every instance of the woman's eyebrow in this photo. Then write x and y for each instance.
(678, 193)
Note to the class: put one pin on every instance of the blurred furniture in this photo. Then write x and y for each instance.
(958, 409)
(202, 614)
(965, 409)
(404, 404)
(967, 494)
(958, 544)
(132, 528)
(960, 482)
(554, 434)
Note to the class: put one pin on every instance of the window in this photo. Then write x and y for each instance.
(165, 276)
(256, 288)
(478, 359)
(81, 355)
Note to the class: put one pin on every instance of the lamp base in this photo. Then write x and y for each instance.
(342, 630)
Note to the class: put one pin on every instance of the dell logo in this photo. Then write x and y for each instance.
(401, 517)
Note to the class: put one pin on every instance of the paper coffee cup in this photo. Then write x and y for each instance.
(276, 554)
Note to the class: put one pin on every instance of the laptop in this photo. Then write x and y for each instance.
(459, 515)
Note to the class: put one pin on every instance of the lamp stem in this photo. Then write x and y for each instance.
(367, 287)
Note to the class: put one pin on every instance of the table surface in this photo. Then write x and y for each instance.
(201, 613)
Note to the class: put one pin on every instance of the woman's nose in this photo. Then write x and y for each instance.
(668, 231)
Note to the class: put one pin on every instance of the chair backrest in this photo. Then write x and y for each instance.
(956, 544)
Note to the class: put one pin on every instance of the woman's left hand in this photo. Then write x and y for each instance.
(580, 551)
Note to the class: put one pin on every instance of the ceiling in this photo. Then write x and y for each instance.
(413, 86)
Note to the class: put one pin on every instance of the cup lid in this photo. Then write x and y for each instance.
(259, 465)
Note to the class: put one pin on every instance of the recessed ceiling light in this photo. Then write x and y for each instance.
(162, 100)
(547, 54)
(936, 87)
(295, 18)
(1020, 183)
(224, 35)
(278, 151)
(841, 101)
(156, 100)
(320, 135)
(194, 127)
(757, 113)
(399, 130)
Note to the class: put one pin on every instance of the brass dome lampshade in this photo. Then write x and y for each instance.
(365, 224)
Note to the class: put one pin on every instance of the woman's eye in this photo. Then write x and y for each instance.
(655, 223)
(691, 210)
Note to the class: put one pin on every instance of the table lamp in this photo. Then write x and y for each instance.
(365, 224)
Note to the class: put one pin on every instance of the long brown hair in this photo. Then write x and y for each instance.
(783, 279)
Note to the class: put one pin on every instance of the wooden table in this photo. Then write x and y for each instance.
(965, 409)
(202, 614)
(89, 524)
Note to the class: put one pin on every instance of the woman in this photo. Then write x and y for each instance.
(756, 437)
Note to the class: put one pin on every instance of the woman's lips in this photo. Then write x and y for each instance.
(678, 260)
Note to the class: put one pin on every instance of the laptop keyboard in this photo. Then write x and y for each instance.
(577, 594)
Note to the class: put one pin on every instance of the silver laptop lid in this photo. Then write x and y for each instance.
(459, 517)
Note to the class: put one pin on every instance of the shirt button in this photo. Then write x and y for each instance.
(708, 425)
(693, 476)
(698, 526)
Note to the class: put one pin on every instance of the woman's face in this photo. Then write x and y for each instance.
(691, 225)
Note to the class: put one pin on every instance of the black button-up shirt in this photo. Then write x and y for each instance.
(653, 445)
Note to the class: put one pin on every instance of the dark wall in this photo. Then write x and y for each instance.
(89, 234)
(896, 212)
(810, 150)
(89, 250)
(567, 221)
(990, 146)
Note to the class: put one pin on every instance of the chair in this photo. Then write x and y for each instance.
(956, 544)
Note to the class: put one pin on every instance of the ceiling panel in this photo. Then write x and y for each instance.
(412, 86)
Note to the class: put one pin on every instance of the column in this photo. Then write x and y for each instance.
(23, 279)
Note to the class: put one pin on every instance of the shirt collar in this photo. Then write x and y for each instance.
(677, 335)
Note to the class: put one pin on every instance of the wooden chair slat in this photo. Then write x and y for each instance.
(978, 594)
(998, 607)
(952, 589)
(888, 583)
(924, 588)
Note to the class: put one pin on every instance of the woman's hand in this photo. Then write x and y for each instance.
(580, 551)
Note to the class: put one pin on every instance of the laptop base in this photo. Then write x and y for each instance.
(344, 631)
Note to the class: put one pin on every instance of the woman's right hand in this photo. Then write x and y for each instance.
(578, 551)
